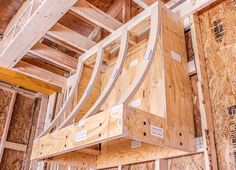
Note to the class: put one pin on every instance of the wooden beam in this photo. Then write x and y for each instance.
(190, 7)
(204, 97)
(70, 37)
(126, 13)
(44, 17)
(161, 164)
(18, 79)
(16, 146)
(40, 74)
(113, 11)
(96, 15)
(54, 56)
(7, 124)
(144, 3)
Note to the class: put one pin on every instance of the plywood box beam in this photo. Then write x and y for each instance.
(117, 122)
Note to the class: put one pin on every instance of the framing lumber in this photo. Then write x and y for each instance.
(47, 14)
(70, 37)
(96, 15)
(30, 83)
(126, 11)
(15, 146)
(144, 3)
(40, 74)
(54, 56)
(204, 97)
(7, 124)
(149, 55)
(68, 100)
(113, 11)
(88, 90)
(115, 123)
(114, 76)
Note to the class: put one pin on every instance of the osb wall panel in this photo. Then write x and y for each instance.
(218, 31)
(5, 97)
(139, 166)
(192, 162)
(21, 121)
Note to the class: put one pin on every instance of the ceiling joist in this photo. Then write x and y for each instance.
(54, 56)
(95, 15)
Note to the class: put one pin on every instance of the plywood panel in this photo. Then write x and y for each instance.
(218, 32)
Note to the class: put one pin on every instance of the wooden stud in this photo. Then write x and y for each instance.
(204, 97)
(7, 124)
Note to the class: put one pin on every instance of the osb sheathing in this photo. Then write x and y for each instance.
(5, 98)
(19, 131)
(21, 120)
(218, 32)
(192, 162)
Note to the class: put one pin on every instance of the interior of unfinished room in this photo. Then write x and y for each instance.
(117, 85)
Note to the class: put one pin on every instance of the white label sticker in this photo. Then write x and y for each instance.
(156, 131)
(80, 136)
(133, 63)
(199, 144)
(175, 56)
(136, 103)
(135, 144)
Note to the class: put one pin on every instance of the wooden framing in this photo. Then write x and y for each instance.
(7, 124)
(41, 74)
(204, 98)
(163, 131)
(54, 56)
(70, 37)
(47, 14)
(118, 122)
(18, 79)
(96, 15)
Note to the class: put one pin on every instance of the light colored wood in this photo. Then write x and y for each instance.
(161, 164)
(148, 57)
(144, 3)
(68, 99)
(189, 7)
(42, 115)
(70, 37)
(126, 11)
(46, 14)
(54, 56)
(87, 92)
(113, 11)
(118, 123)
(7, 124)
(204, 97)
(15, 146)
(18, 79)
(50, 110)
(40, 74)
(96, 15)
(114, 76)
